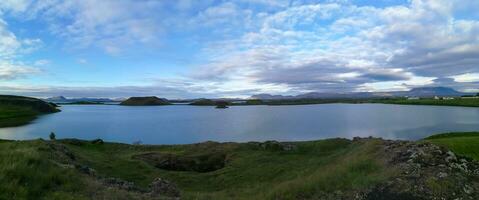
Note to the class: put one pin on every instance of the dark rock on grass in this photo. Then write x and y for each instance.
(161, 187)
(97, 141)
(205, 162)
(277, 146)
(86, 170)
(120, 184)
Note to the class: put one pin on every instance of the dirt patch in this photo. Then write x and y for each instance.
(205, 162)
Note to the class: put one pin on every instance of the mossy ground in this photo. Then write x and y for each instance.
(465, 144)
(11, 115)
(251, 172)
(310, 170)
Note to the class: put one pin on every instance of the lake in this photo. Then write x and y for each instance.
(181, 124)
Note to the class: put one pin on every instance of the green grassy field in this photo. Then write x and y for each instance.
(16, 115)
(452, 102)
(307, 170)
(252, 172)
(466, 144)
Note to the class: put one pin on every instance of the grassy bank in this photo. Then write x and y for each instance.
(466, 144)
(429, 101)
(325, 169)
(435, 102)
(16, 110)
(252, 170)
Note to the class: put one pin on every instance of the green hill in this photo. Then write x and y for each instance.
(18, 110)
(145, 101)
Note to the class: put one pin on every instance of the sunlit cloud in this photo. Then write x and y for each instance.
(237, 48)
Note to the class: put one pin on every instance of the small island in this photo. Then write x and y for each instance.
(145, 101)
(220, 104)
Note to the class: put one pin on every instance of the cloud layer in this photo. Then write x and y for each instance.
(274, 46)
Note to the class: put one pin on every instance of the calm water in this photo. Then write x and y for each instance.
(189, 124)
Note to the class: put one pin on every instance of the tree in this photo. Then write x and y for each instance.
(52, 136)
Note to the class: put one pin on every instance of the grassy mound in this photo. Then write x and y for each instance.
(466, 144)
(145, 101)
(16, 110)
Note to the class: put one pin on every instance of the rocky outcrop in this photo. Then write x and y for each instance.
(161, 187)
(427, 171)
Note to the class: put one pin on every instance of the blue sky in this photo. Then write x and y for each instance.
(218, 48)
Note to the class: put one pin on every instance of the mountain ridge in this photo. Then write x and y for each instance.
(414, 92)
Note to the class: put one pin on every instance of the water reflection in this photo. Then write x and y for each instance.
(188, 124)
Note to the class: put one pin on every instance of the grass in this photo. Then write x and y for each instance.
(465, 144)
(17, 111)
(312, 169)
(19, 173)
(11, 115)
(436, 102)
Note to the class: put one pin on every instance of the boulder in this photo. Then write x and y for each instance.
(163, 188)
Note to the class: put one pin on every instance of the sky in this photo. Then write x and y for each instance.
(236, 48)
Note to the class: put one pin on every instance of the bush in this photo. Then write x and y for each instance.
(52, 136)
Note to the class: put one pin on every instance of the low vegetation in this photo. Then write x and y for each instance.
(457, 101)
(466, 102)
(324, 169)
(466, 144)
(16, 110)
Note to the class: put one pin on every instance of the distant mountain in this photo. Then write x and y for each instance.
(270, 97)
(57, 99)
(62, 99)
(434, 91)
(417, 92)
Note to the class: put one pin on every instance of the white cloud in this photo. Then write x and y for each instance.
(42, 62)
(335, 46)
(282, 46)
(10, 71)
(468, 77)
(11, 48)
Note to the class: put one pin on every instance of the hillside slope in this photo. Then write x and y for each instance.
(365, 168)
(17, 110)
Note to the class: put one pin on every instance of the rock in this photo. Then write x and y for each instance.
(97, 141)
(163, 188)
(450, 157)
(468, 189)
(86, 170)
(120, 184)
(277, 146)
(442, 175)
